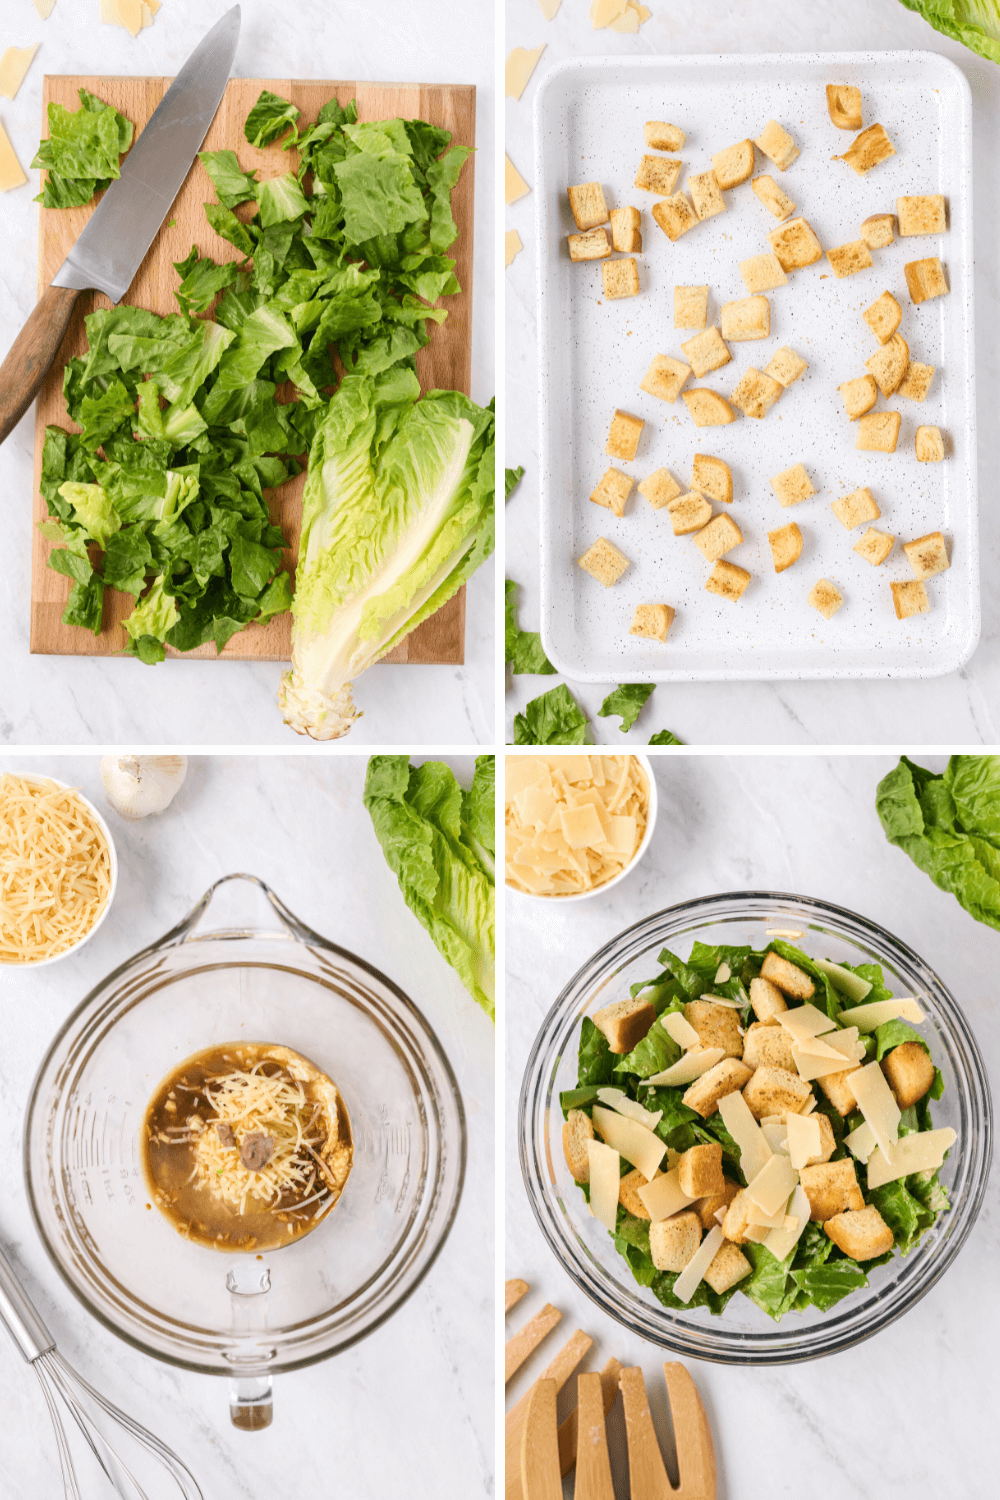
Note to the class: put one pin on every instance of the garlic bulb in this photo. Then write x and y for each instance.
(137, 785)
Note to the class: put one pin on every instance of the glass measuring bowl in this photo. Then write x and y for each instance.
(260, 976)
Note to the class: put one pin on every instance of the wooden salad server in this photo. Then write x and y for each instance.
(593, 1466)
(559, 1370)
(692, 1439)
(540, 1477)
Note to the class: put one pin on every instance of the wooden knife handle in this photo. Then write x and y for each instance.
(32, 353)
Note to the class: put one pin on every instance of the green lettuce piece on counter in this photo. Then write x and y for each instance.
(554, 718)
(523, 648)
(626, 700)
(417, 813)
(665, 737)
(82, 152)
(974, 23)
(511, 479)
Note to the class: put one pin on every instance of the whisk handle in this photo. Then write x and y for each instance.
(20, 1317)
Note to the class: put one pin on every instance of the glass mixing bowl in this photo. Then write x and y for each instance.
(743, 1335)
(260, 976)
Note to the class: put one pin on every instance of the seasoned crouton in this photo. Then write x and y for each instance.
(888, 363)
(795, 245)
(861, 1233)
(853, 509)
(708, 408)
(925, 279)
(652, 621)
(831, 1188)
(837, 1088)
(729, 582)
(789, 978)
(576, 1132)
(587, 205)
(917, 381)
(720, 536)
(699, 1171)
(767, 1046)
(612, 491)
(756, 393)
(590, 246)
(786, 546)
(707, 1208)
(706, 352)
(878, 432)
(870, 147)
(772, 1091)
(859, 395)
(663, 137)
(604, 562)
(773, 199)
(786, 366)
(929, 445)
(625, 232)
(673, 1241)
(883, 317)
(767, 1000)
(847, 260)
(875, 546)
(665, 377)
(659, 488)
(827, 1140)
(658, 174)
(624, 435)
(921, 215)
(625, 1022)
(628, 1194)
(712, 477)
(734, 165)
(826, 597)
(737, 1220)
(843, 103)
(675, 216)
(689, 513)
(762, 273)
(716, 1025)
(777, 145)
(927, 555)
(909, 1072)
(706, 195)
(690, 306)
(728, 1266)
(909, 599)
(620, 277)
(792, 485)
(877, 231)
(746, 318)
(726, 1077)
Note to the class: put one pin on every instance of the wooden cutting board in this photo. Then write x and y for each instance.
(446, 363)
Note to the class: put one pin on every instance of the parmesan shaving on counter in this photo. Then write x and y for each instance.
(13, 65)
(573, 822)
(132, 14)
(12, 174)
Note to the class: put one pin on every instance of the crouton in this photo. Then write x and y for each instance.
(888, 363)
(613, 490)
(712, 477)
(767, 1046)
(921, 215)
(628, 1194)
(789, 978)
(773, 199)
(878, 432)
(729, 582)
(659, 488)
(699, 1171)
(706, 352)
(792, 485)
(620, 277)
(929, 445)
(675, 216)
(690, 306)
(587, 205)
(870, 147)
(673, 1241)
(837, 1088)
(827, 1140)
(767, 1000)
(708, 408)
(826, 597)
(843, 103)
(857, 507)
(909, 599)
(707, 1208)
(706, 195)
(590, 246)
(652, 621)
(917, 381)
(861, 1233)
(786, 546)
(625, 232)
(665, 377)
(927, 555)
(925, 279)
(716, 1025)
(726, 1077)
(576, 1132)
(688, 514)
(847, 260)
(875, 546)
(777, 145)
(604, 562)
(877, 231)
(720, 536)
(772, 1091)
(658, 174)
(909, 1073)
(831, 1188)
(883, 317)
(737, 1220)
(663, 137)
(786, 366)
(859, 395)
(762, 273)
(625, 1022)
(795, 245)
(746, 318)
(756, 393)
(623, 436)
(728, 1266)
(734, 165)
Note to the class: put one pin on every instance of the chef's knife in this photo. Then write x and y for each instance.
(124, 224)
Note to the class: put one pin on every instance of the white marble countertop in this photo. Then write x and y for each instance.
(409, 1410)
(50, 700)
(922, 1387)
(828, 712)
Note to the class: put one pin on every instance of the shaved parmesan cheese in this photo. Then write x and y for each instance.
(723, 974)
(603, 12)
(549, 8)
(725, 1000)
(618, 1100)
(13, 65)
(521, 63)
(688, 1281)
(782, 932)
(781, 1242)
(692, 1065)
(627, 22)
(520, 772)
(810, 1065)
(761, 1220)
(44, 8)
(804, 1139)
(775, 1135)
(805, 1021)
(861, 1142)
(876, 1103)
(867, 1017)
(923, 1152)
(637, 1144)
(681, 1030)
(845, 1042)
(572, 822)
(132, 14)
(754, 1150)
(809, 1105)
(663, 1196)
(581, 826)
(851, 985)
(605, 1176)
(11, 172)
(815, 1046)
(511, 246)
(773, 1185)
(579, 768)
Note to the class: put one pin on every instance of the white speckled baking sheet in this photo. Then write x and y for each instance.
(589, 117)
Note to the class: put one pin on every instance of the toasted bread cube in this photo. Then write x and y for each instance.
(604, 562)
(711, 477)
(786, 546)
(737, 1220)
(925, 279)
(576, 1132)
(837, 1088)
(706, 195)
(587, 205)
(929, 445)
(878, 432)
(699, 1171)
(628, 1194)
(590, 246)
(613, 490)
(727, 1077)
(772, 1091)
(870, 147)
(762, 273)
(716, 1025)
(909, 599)
(660, 488)
(831, 1188)
(625, 1022)
(720, 536)
(657, 174)
(846, 260)
(927, 555)
(729, 582)
(917, 381)
(861, 1233)
(795, 245)
(826, 597)
(883, 317)
(888, 364)
(777, 145)
(773, 199)
(663, 137)
(734, 165)
(756, 393)
(860, 505)
(708, 408)
(688, 514)
(909, 1073)
(843, 103)
(859, 395)
(652, 621)
(786, 366)
(746, 318)
(707, 1208)
(877, 231)
(875, 546)
(675, 216)
(620, 277)
(789, 978)
(690, 306)
(664, 378)
(791, 486)
(625, 233)
(706, 352)
(766, 1046)
(921, 215)
(767, 1000)
(624, 435)
(728, 1266)
(673, 1241)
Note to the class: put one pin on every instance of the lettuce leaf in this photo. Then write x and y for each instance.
(82, 152)
(665, 737)
(974, 23)
(270, 117)
(523, 648)
(554, 718)
(626, 700)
